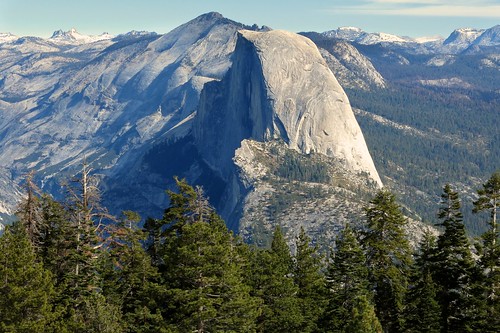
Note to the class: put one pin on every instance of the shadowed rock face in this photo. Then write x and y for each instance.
(279, 87)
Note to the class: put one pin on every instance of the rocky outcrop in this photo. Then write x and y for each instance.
(279, 87)
(351, 68)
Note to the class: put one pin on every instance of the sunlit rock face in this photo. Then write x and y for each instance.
(279, 87)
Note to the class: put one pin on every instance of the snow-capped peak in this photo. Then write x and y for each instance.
(470, 31)
(74, 37)
(489, 37)
(463, 35)
(353, 34)
(7, 37)
(345, 33)
(356, 29)
(428, 39)
(380, 37)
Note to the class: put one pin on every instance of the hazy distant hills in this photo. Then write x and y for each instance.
(226, 111)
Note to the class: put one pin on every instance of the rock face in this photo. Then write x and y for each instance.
(351, 68)
(279, 87)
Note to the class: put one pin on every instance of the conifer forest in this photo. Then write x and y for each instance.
(70, 266)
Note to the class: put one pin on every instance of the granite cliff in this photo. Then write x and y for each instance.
(279, 95)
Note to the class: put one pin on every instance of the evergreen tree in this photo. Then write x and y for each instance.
(363, 318)
(97, 315)
(422, 309)
(29, 212)
(347, 281)
(272, 281)
(86, 234)
(310, 281)
(154, 230)
(88, 220)
(454, 267)
(129, 281)
(489, 261)
(26, 288)
(389, 259)
(58, 239)
(202, 269)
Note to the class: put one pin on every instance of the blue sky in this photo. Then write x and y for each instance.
(413, 18)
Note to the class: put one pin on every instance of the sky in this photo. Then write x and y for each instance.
(413, 18)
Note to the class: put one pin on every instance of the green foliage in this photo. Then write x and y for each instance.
(96, 315)
(347, 281)
(26, 288)
(187, 272)
(389, 258)
(129, 280)
(454, 267)
(29, 212)
(489, 261)
(272, 281)
(422, 309)
(203, 275)
(363, 318)
(59, 239)
(310, 280)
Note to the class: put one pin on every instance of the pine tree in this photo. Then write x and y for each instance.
(88, 220)
(422, 310)
(202, 269)
(454, 267)
(26, 288)
(129, 281)
(154, 229)
(97, 315)
(389, 259)
(58, 239)
(310, 281)
(489, 261)
(363, 318)
(347, 281)
(29, 212)
(272, 281)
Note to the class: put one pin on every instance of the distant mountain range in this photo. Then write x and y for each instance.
(460, 40)
(244, 115)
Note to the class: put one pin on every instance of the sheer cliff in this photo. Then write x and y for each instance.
(279, 128)
(280, 87)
